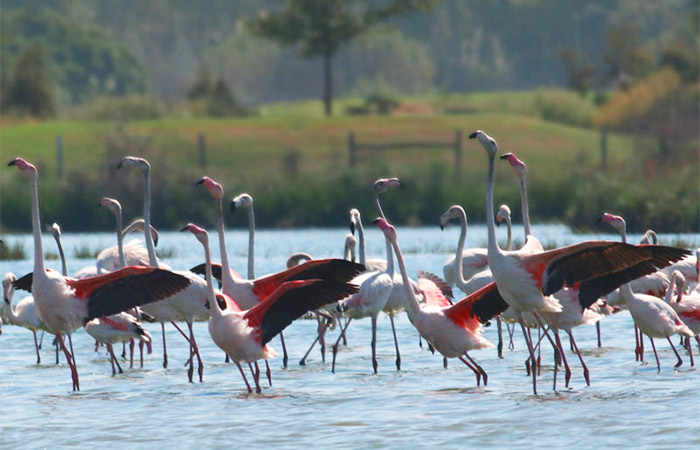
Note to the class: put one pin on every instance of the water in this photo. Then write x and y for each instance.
(628, 403)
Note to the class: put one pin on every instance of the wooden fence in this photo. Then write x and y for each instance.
(355, 149)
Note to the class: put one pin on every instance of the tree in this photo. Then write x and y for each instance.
(579, 71)
(321, 27)
(31, 89)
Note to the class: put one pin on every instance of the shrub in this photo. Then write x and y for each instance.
(564, 107)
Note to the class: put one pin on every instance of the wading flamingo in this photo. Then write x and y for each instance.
(527, 280)
(243, 335)
(65, 304)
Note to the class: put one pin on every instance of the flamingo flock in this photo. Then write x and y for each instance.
(542, 291)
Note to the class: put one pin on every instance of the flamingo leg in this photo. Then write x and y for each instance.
(123, 350)
(532, 353)
(131, 353)
(335, 346)
(658, 364)
(562, 355)
(499, 325)
(680, 361)
(302, 361)
(41, 339)
(195, 348)
(444, 362)
(37, 347)
(111, 358)
(256, 376)
(55, 344)
(165, 351)
(72, 353)
(285, 356)
(69, 359)
(478, 367)
(476, 372)
(250, 391)
(511, 345)
(689, 347)
(597, 329)
(586, 374)
(374, 344)
(141, 344)
(322, 336)
(396, 343)
(268, 373)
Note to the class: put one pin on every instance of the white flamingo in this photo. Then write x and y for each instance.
(687, 306)
(23, 314)
(243, 335)
(116, 328)
(527, 280)
(65, 304)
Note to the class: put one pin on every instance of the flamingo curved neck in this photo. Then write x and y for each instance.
(389, 249)
(36, 230)
(226, 278)
(493, 248)
(361, 238)
(389, 259)
(147, 218)
(9, 309)
(211, 297)
(525, 206)
(509, 243)
(120, 240)
(64, 269)
(251, 243)
(668, 297)
(460, 247)
(413, 305)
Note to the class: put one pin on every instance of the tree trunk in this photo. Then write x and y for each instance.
(328, 84)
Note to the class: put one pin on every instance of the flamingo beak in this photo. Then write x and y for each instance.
(185, 228)
(233, 206)
(474, 135)
(12, 163)
(506, 155)
(200, 182)
(352, 227)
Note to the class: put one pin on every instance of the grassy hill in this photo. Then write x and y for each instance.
(295, 162)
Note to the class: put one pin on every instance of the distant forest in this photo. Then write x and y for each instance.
(162, 47)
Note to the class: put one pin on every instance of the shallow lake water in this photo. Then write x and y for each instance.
(629, 404)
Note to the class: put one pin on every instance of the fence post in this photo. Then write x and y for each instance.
(604, 147)
(202, 146)
(351, 149)
(458, 155)
(59, 156)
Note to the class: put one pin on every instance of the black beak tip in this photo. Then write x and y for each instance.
(199, 182)
(473, 135)
(233, 206)
(599, 220)
(184, 228)
(376, 221)
(12, 163)
(352, 228)
(505, 155)
(442, 227)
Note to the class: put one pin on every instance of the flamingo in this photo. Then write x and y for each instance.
(688, 309)
(526, 280)
(248, 293)
(120, 327)
(654, 284)
(187, 306)
(655, 318)
(23, 314)
(65, 304)
(520, 169)
(370, 300)
(243, 335)
(688, 266)
(453, 330)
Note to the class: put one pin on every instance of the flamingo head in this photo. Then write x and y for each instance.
(296, 258)
(486, 141)
(650, 237)
(503, 214)
(28, 169)
(199, 232)
(215, 189)
(7, 288)
(455, 212)
(241, 201)
(54, 229)
(112, 204)
(135, 161)
(355, 220)
(616, 222)
(384, 184)
(350, 244)
(139, 225)
(387, 228)
(519, 166)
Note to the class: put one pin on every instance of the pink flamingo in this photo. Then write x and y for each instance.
(120, 327)
(453, 330)
(243, 335)
(688, 309)
(526, 280)
(65, 304)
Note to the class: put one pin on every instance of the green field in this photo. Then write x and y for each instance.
(253, 154)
